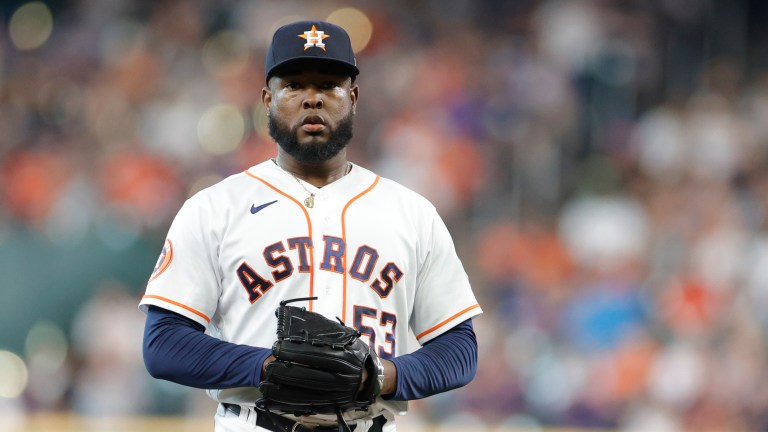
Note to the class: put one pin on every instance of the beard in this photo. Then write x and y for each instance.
(313, 152)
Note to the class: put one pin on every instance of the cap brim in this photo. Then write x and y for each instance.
(299, 64)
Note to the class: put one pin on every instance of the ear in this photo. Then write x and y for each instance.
(354, 92)
(266, 97)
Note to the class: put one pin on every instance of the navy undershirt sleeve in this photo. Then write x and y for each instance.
(446, 362)
(177, 349)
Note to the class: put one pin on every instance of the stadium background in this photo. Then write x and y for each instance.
(601, 164)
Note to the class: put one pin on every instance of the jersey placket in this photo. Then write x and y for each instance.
(328, 252)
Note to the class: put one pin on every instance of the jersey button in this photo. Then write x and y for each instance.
(327, 219)
(323, 195)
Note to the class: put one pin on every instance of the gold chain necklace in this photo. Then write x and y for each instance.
(310, 200)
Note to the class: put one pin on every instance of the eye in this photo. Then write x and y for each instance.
(329, 85)
(292, 85)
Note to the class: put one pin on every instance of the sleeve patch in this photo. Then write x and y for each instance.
(164, 261)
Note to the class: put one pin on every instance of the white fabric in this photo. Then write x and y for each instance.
(219, 246)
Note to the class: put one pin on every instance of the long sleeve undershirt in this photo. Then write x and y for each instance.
(446, 362)
(177, 349)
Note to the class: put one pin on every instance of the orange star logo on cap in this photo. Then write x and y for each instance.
(314, 37)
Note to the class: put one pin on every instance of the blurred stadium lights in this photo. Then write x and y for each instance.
(13, 375)
(619, 238)
(46, 351)
(31, 26)
(356, 23)
(221, 129)
(46, 346)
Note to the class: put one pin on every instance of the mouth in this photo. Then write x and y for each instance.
(313, 124)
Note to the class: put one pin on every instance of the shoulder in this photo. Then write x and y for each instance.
(398, 194)
(231, 189)
(219, 193)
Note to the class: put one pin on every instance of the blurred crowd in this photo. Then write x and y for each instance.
(602, 165)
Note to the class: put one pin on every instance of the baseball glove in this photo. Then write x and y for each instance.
(319, 366)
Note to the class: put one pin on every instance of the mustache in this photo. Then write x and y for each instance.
(313, 152)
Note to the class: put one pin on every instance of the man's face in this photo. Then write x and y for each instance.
(310, 113)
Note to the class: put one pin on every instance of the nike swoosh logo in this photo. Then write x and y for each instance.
(255, 209)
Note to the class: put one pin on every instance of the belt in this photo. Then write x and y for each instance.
(278, 423)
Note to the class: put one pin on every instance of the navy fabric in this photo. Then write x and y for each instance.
(446, 362)
(316, 42)
(177, 349)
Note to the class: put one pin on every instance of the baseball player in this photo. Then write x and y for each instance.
(308, 225)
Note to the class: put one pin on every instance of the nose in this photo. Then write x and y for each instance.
(312, 99)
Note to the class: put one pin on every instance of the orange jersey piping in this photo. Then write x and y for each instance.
(446, 321)
(346, 245)
(183, 306)
(309, 227)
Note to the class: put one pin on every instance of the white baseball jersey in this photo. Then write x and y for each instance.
(373, 252)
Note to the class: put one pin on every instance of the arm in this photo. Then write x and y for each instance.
(447, 362)
(178, 350)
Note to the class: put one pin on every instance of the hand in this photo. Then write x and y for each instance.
(363, 380)
(390, 377)
(267, 361)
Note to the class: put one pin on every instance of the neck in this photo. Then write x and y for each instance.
(317, 175)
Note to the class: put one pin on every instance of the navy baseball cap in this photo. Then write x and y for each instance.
(311, 41)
